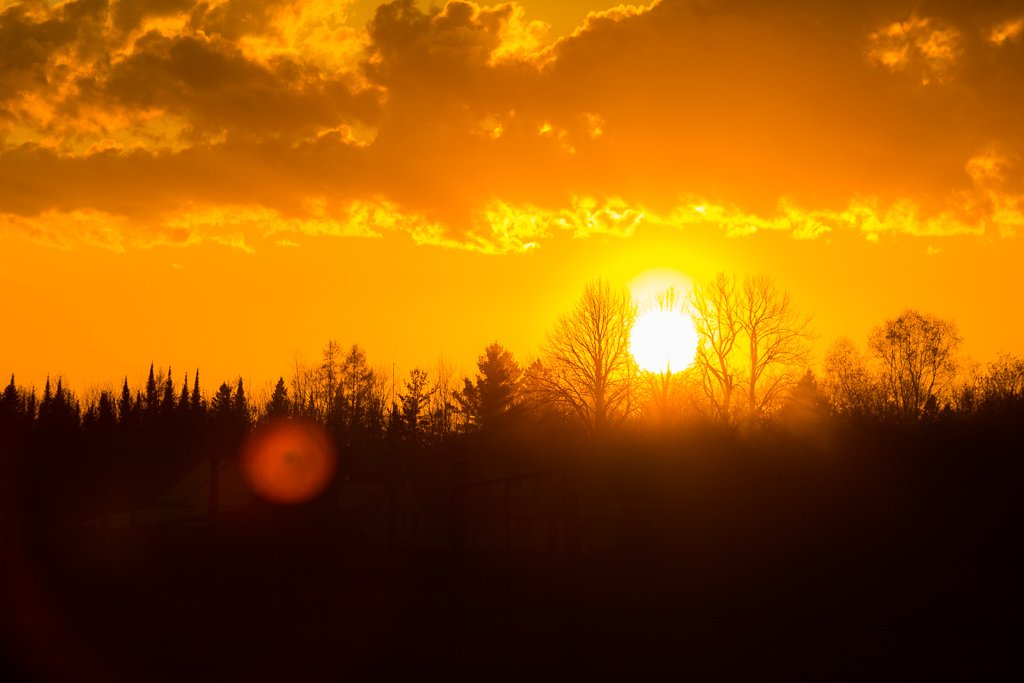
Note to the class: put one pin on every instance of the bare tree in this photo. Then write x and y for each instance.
(1004, 381)
(329, 377)
(441, 403)
(750, 337)
(850, 385)
(715, 309)
(776, 338)
(586, 367)
(315, 387)
(304, 390)
(917, 356)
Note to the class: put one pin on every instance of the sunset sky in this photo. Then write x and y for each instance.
(231, 184)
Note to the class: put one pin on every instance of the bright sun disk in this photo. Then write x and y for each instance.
(663, 341)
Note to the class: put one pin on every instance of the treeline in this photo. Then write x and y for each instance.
(751, 373)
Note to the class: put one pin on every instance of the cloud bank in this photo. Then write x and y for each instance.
(133, 123)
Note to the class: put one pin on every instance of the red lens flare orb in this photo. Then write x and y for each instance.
(288, 461)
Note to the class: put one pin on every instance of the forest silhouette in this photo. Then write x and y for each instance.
(570, 515)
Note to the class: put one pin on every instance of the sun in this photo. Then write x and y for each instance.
(663, 337)
(663, 340)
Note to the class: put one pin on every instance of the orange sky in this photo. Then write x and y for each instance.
(231, 184)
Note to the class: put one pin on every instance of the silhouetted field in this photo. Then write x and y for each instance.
(839, 552)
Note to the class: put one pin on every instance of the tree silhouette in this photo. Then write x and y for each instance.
(1003, 383)
(184, 400)
(167, 404)
(10, 404)
(359, 402)
(917, 356)
(197, 398)
(330, 371)
(124, 404)
(44, 405)
(775, 337)
(715, 312)
(152, 405)
(222, 404)
(59, 412)
(586, 367)
(414, 400)
(849, 383)
(240, 405)
(490, 398)
(278, 405)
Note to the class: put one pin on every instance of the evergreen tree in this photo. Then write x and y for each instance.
(278, 405)
(105, 414)
(241, 405)
(10, 404)
(197, 398)
(414, 400)
(152, 397)
(46, 404)
(124, 406)
(221, 405)
(66, 407)
(167, 405)
(495, 393)
(59, 411)
(184, 401)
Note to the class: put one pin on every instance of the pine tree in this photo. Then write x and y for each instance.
(197, 398)
(220, 405)
(495, 394)
(10, 405)
(184, 402)
(105, 411)
(414, 400)
(152, 399)
(167, 406)
(46, 405)
(278, 406)
(63, 412)
(241, 405)
(124, 406)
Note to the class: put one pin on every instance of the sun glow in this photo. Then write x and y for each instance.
(663, 341)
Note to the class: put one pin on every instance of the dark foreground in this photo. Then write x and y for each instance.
(838, 558)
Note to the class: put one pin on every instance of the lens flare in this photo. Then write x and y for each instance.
(288, 461)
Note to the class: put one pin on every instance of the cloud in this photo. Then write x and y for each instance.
(920, 45)
(1005, 31)
(126, 124)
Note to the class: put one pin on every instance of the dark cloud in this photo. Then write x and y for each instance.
(28, 42)
(218, 90)
(236, 18)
